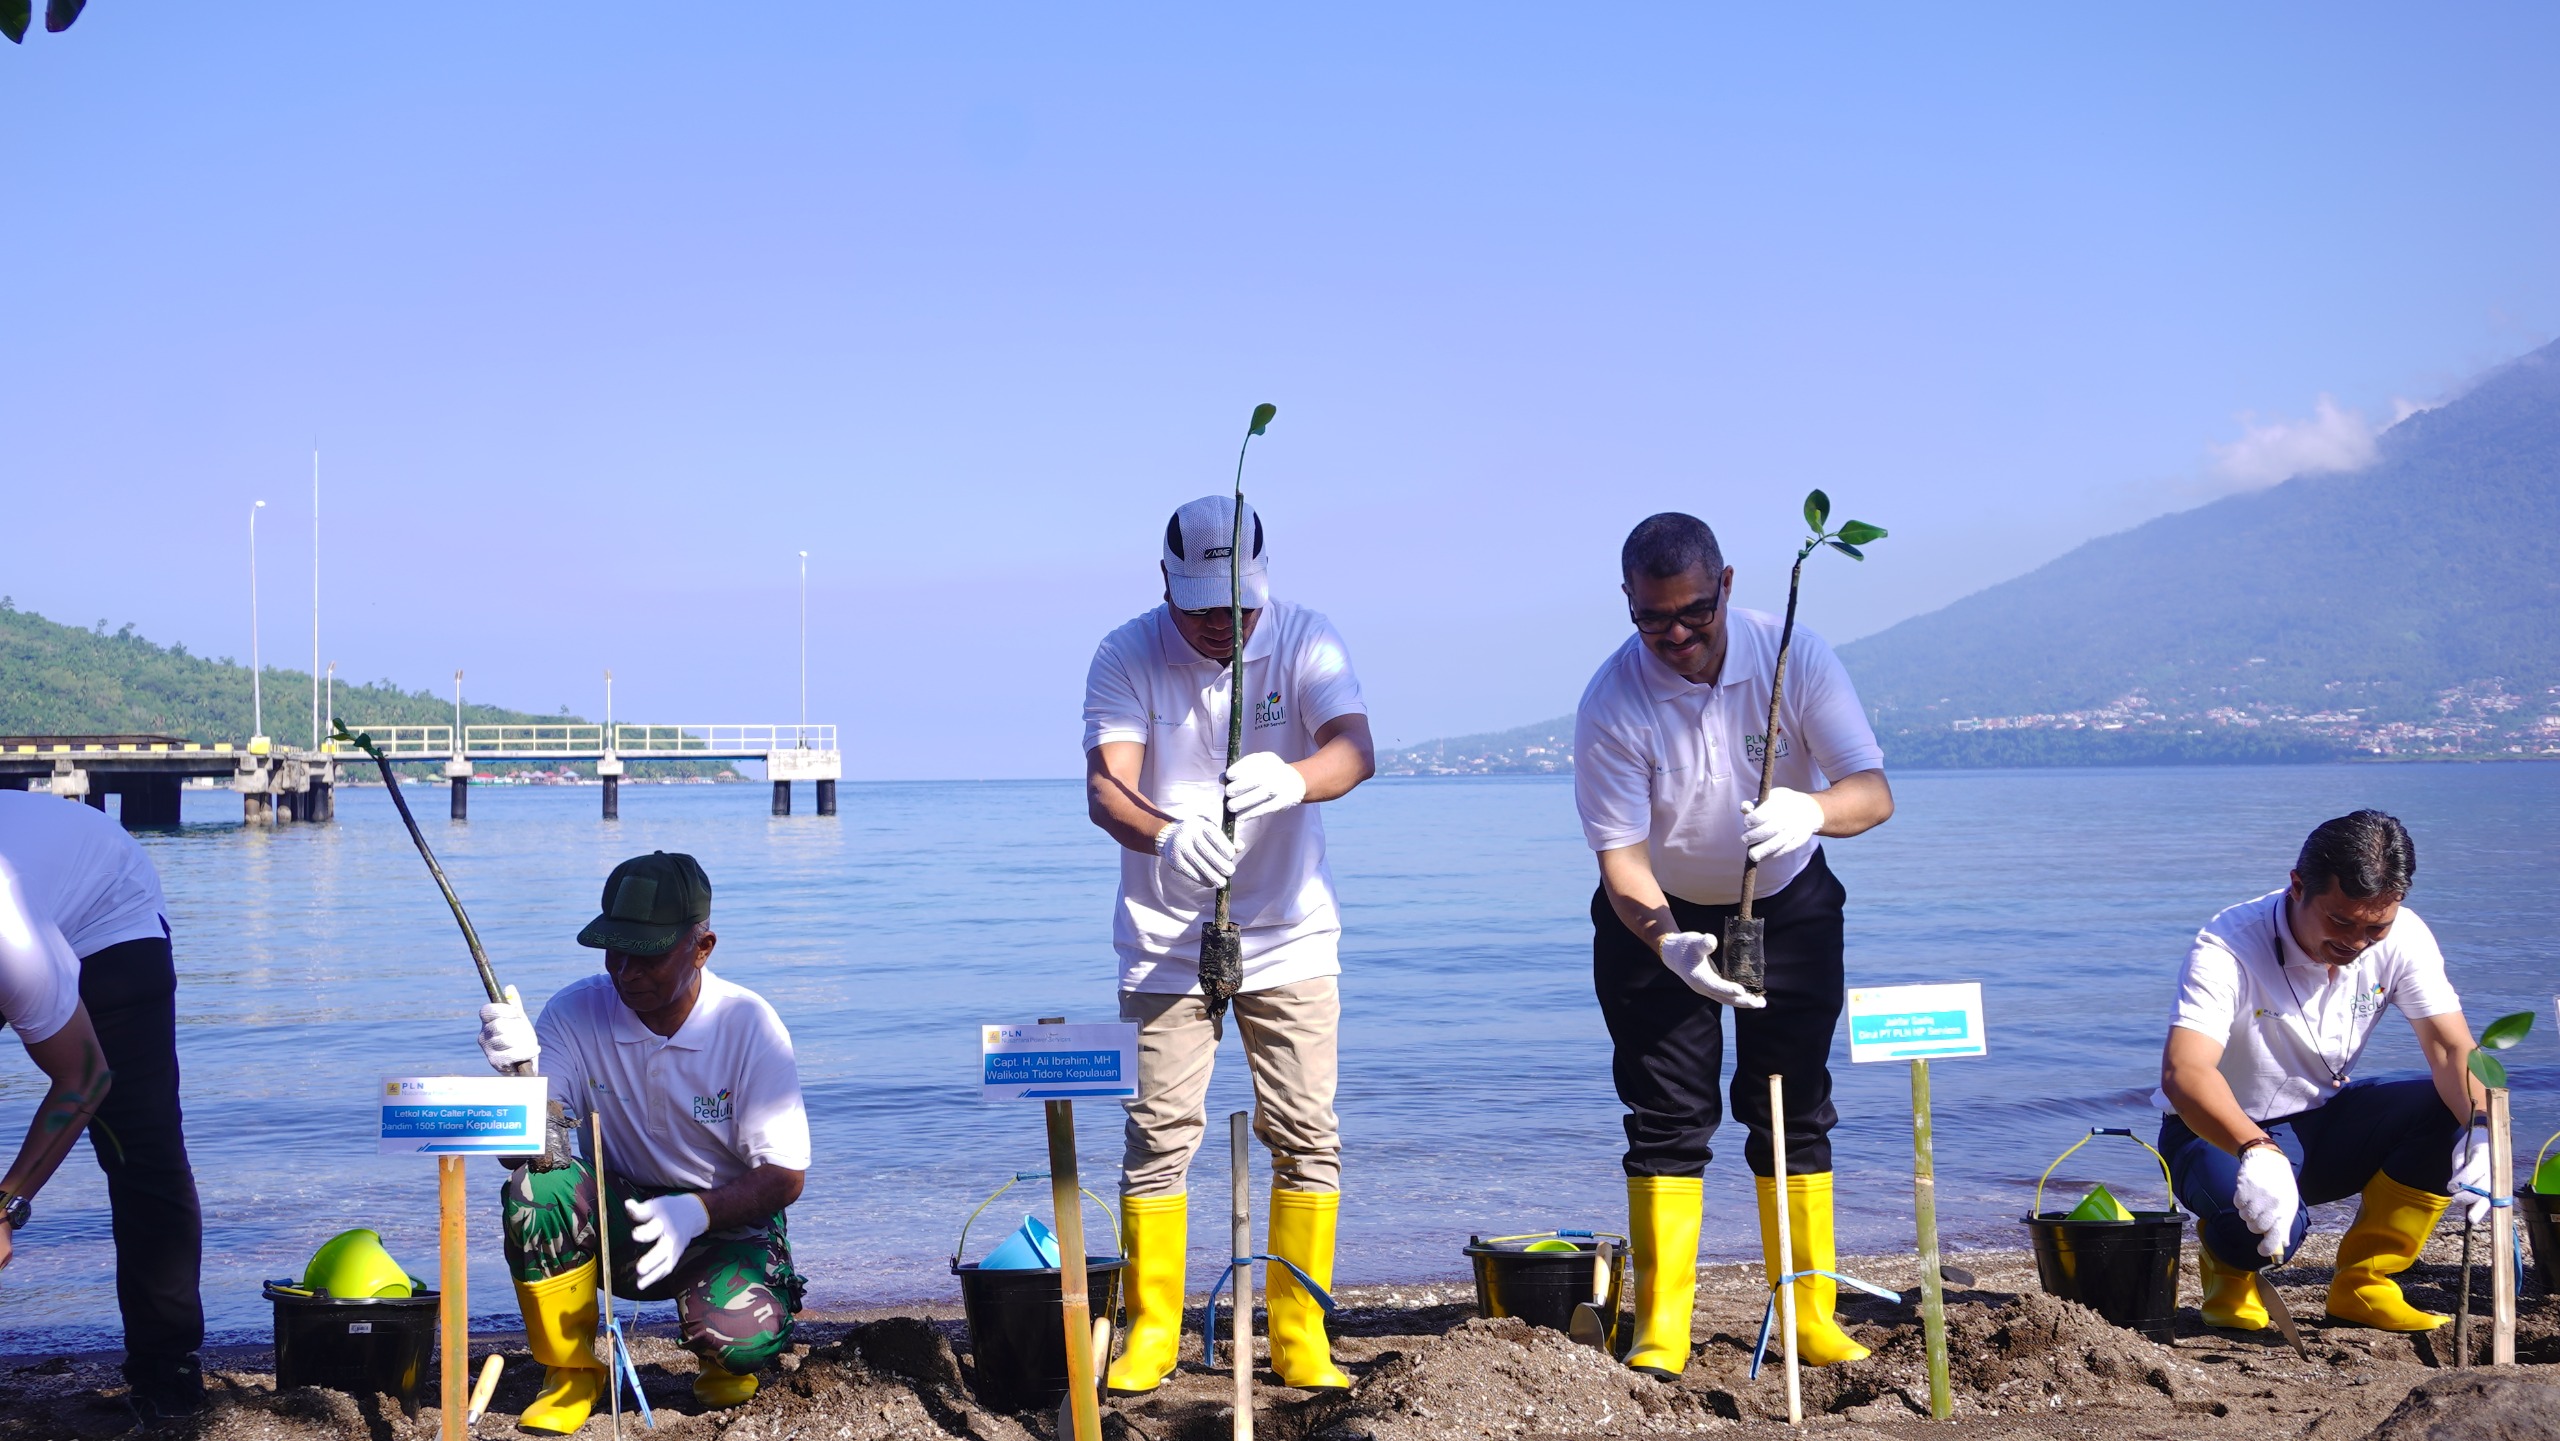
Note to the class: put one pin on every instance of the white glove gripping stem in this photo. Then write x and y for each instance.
(2267, 1198)
(1691, 957)
(666, 1225)
(2470, 1183)
(1262, 784)
(506, 1036)
(1781, 825)
(1198, 849)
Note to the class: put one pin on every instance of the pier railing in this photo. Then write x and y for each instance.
(580, 741)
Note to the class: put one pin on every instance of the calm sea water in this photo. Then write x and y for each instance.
(1475, 1090)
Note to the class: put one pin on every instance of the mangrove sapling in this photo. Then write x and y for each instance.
(1743, 958)
(2484, 1066)
(555, 1152)
(1221, 943)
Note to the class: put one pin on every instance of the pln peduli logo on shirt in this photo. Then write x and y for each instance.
(1268, 712)
(710, 1109)
(1753, 747)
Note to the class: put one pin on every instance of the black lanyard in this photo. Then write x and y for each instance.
(2337, 1078)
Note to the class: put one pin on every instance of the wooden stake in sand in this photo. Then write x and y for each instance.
(1786, 1247)
(1066, 1203)
(1924, 1209)
(2502, 1231)
(454, 1235)
(1239, 1167)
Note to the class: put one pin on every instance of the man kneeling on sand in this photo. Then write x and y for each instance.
(705, 1138)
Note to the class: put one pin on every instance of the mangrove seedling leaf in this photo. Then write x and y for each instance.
(14, 18)
(1858, 532)
(1262, 416)
(58, 14)
(2490, 1071)
(2506, 1031)
(1845, 548)
(1817, 511)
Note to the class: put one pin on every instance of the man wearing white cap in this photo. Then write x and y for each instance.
(1156, 709)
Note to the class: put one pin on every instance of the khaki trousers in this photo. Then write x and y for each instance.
(1289, 1034)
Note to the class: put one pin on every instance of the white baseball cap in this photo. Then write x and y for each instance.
(1196, 544)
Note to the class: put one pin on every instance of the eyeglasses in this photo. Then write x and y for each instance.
(1696, 617)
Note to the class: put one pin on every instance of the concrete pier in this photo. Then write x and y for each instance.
(609, 771)
(149, 773)
(798, 763)
(458, 772)
(826, 798)
(782, 798)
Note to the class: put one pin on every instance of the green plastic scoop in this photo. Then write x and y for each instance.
(2099, 1205)
(1552, 1243)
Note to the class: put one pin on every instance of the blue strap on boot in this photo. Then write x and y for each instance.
(1209, 1313)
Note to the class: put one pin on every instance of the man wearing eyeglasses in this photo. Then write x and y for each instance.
(1667, 748)
(1157, 702)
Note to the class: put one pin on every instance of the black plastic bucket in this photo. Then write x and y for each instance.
(1542, 1287)
(2126, 1271)
(2541, 1224)
(362, 1345)
(1018, 1330)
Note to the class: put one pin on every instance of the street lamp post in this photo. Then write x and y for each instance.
(804, 650)
(257, 695)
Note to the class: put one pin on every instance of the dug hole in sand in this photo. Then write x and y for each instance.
(2021, 1363)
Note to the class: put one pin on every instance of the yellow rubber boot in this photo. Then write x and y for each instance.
(2231, 1299)
(1155, 1239)
(560, 1331)
(1302, 1225)
(716, 1386)
(2392, 1225)
(1819, 1339)
(1662, 1231)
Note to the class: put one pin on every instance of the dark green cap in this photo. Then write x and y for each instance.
(648, 902)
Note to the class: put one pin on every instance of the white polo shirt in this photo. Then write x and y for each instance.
(691, 1111)
(39, 975)
(82, 868)
(2291, 1031)
(1662, 760)
(1149, 686)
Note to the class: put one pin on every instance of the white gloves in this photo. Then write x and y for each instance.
(1690, 955)
(2267, 1199)
(1198, 849)
(2471, 1168)
(506, 1036)
(1784, 823)
(666, 1225)
(1262, 784)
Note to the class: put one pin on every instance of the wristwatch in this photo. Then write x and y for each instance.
(15, 1210)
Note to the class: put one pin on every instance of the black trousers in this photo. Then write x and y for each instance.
(131, 989)
(1669, 1040)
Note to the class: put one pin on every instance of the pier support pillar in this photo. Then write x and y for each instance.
(321, 801)
(70, 782)
(151, 801)
(257, 794)
(257, 808)
(609, 771)
(804, 763)
(458, 771)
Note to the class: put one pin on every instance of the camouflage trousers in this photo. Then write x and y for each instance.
(736, 1291)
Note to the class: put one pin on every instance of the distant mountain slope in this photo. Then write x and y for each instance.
(62, 680)
(2370, 594)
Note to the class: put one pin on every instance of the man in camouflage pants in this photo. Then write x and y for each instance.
(706, 1141)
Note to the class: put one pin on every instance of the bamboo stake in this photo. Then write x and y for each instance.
(1924, 1209)
(454, 1235)
(2462, 1318)
(1239, 1169)
(1083, 1406)
(1786, 1244)
(604, 1272)
(2502, 1231)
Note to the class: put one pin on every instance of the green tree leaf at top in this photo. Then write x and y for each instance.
(1858, 532)
(2506, 1031)
(1817, 511)
(15, 15)
(1262, 416)
(2490, 1071)
(1845, 548)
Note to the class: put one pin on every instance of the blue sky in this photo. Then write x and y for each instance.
(600, 314)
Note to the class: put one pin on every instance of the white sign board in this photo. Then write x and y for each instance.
(1916, 1023)
(463, 1115)
(1058, 1063)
